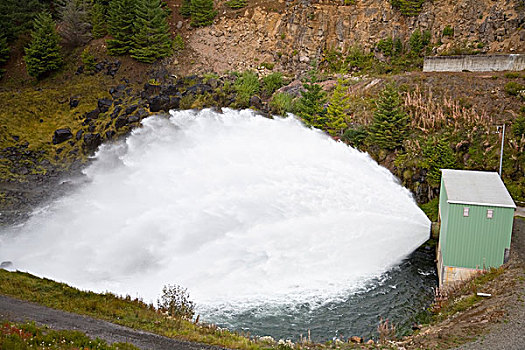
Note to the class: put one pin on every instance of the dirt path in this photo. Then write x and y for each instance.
(509, 334)
(21, 311)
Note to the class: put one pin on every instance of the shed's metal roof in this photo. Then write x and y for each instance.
(477, 188)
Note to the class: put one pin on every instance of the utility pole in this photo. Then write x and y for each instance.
(501, 152)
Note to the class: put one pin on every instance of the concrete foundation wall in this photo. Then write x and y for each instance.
(474, 63)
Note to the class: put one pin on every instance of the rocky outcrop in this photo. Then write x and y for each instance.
(290, 35)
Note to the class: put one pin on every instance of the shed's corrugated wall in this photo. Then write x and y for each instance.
(443, 212)
(476, 241)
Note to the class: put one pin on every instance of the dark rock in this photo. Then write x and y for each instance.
(59, 150)
(80, 70)
(133, 119)
(110, 134)
(197, 89)
(91, 142)
(116, 112)
(158, 103)
(73, 102)
(129, 91)
(61, 135)
(108, 124)
(131, 109)
(99, 66)
(91, 128)
(92, 114)
(141, 113)
(86, 121)
(255, 101)
(16, 138)
(121, 121)
(150, 90)
(170, 90)
(104, 104)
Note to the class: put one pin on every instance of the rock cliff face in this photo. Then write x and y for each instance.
(290, 34)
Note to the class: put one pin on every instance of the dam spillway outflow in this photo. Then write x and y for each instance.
(248, 213)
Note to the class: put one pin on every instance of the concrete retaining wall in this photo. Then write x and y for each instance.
(474, 63)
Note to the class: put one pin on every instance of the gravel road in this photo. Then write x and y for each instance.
(21, 311)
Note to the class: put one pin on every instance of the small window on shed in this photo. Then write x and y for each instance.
(490, 213)
(466, 211)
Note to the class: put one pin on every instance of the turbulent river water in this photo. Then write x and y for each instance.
(273, 227)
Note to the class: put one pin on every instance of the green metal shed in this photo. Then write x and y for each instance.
(476, 213)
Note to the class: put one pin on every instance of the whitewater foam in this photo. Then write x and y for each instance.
(238, 208)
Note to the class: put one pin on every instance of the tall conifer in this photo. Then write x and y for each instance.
(43, 53)
(202, 13)
(75, 26)
(4, 53)
(337, 110)
(98, 20)
(121, 15)
(151, 40)
(390, 124)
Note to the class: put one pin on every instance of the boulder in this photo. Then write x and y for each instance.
(121, 121)
(91, 142)
(197, 89)
(141, 113)
(158, 103)
(78, 136)
(116, 112)
(109, 134)
(255, 101)
(61, 135)
(92, 114)
(133, 119)
(104, 104)
(131, 109)
(73, 102)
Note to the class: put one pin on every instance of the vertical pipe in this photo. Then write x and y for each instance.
(501, 152)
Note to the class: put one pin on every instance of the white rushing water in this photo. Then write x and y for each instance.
(238, 208)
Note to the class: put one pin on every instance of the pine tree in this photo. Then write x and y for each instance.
(310, 105)
(336, 112)
(185, 9)
(16, 17)
(416, 42)
(121, 15)
(43, 53)
(437, 156)
(98, 20)
(75, 26)
(390, 123)
(4, 53)
(202, 13)
(151, 40)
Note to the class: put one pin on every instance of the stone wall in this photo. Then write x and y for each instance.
(479, 63)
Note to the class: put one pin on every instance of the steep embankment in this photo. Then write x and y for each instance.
(292, 34)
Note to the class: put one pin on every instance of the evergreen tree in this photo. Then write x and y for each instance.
(336, 112)
(98, 20)
(151, 40)
(390, 123)
(416, 42)
(16, 17)
(75, 26)
(185, 9)
(310, 106)
(202, 13)
(122, 15)
(4, 53)
(437, 156)
(43, 53)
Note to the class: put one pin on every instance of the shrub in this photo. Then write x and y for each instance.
(355, 136)
(282, 103)
(236, 4)
(408, 7)
(436, 156)
(512, 75)
(386, 46)
(513, 88)
(88, 60)
(175, 302)
(246, 86)
(272, 82)
(178, 43)
(448, 31)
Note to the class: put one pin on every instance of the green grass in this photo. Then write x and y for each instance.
(29, 336)
(132, 313)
